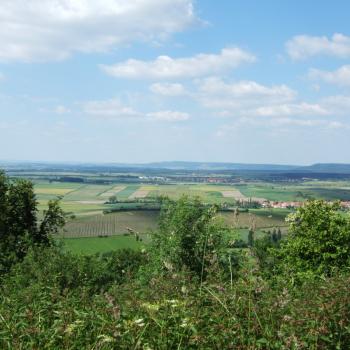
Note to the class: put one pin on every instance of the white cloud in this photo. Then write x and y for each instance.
(339, 77)
(169, 116)
(279, 124)
(165, 67)
(339, 104)
(293, 109)
(305, 46)
(114, 109)
(168, 89)
(243, 95)
(51, 30)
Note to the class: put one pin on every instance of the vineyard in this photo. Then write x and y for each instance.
(111, 224)
(143, 221)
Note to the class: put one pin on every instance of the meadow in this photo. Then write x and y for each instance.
(93, 245)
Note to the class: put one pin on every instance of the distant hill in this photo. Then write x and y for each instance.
(320, 168)
(179, 165)
(327, 168)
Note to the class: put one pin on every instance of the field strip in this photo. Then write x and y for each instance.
(91, 202)
(139, 194)
(112, 191)
(257, 199)
(90, 213)
(234, 194)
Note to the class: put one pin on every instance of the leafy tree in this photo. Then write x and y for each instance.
(250, 238)
(279, 234)
(190, 237)
(18, 221)
(3, 204)
(54, 220)
(274, 236)
(318, 240)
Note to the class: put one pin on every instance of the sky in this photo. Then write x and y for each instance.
(136, 81)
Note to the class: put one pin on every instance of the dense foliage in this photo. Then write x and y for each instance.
(319, 240)
(192, 289)
(19, 227)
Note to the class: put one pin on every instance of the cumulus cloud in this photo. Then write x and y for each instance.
(114, 109)
(339, 77)
(165, 67)
(51, 30)
(216, 93)
(168, 89)
(304, 46)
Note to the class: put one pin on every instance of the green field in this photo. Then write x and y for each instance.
(93, 245)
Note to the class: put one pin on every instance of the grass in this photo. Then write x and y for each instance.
(93, 245)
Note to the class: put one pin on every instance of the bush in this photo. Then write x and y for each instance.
(190, 237)
(318, 241)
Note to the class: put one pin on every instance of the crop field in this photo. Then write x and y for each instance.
(111, 224)
(144, 221)
(208, 193)
(301, 192)
(259, 218)
(93, 245)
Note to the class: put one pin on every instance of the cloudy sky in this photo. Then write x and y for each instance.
(198, 80)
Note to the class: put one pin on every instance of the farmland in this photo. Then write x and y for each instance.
(95, 224)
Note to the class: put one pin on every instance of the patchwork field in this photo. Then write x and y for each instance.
(88, 201)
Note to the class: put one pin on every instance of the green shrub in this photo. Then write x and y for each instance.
(318, 241)
(190, 237)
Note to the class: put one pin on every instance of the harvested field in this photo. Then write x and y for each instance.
(237, 195)
(234, 194)
(139, 194)
(112, 192)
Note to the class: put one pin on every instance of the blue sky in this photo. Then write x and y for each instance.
(152, 80)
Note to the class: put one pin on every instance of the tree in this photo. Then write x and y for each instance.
(53, 221)
(318, 240)
(190, 237)
(22, 209)
(279, 234)
(250, 238)
(3, 204)
(274, 236)
(18, 221)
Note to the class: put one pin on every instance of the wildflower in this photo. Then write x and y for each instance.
(139, 322)
(151, 307)
(184, 323)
